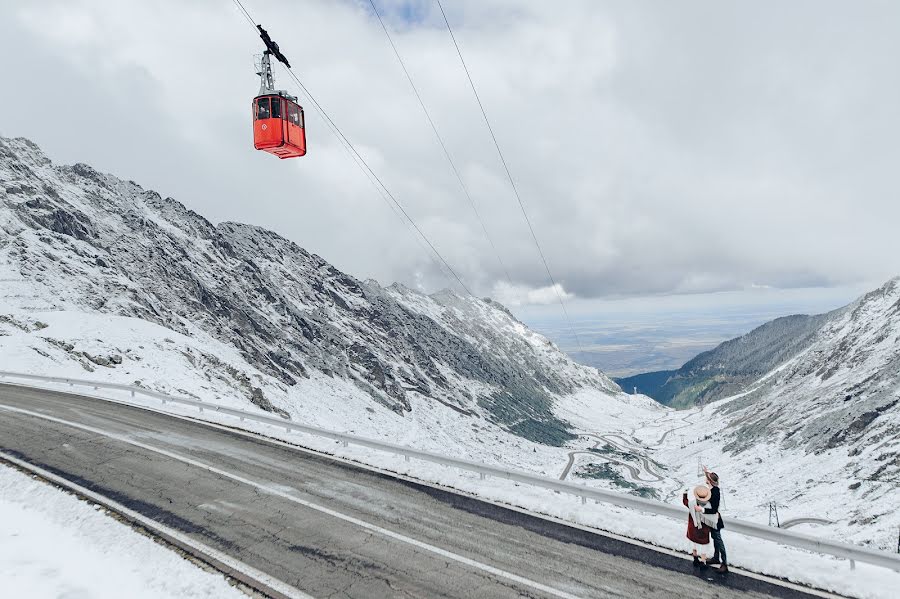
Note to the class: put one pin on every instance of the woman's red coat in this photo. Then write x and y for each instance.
(694, 534)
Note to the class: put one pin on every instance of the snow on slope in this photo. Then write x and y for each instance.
(100, 278)
(819, 435)
(729, 367)
(54, 545)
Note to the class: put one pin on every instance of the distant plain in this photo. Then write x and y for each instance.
(649, 334)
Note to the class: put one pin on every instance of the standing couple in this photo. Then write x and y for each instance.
(705, 521)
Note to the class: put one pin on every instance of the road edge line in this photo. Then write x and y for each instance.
(219, 561)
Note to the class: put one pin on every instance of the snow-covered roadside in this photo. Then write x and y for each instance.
(865, 582)
(54, 545)
(160, 359)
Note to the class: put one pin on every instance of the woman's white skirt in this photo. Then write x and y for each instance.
(697, 547)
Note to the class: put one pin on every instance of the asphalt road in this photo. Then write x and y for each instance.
(797, 521)
(328, 528)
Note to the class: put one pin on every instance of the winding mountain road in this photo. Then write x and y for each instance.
(797, 521)
(627, 447)
(684, 419)
(329, 528)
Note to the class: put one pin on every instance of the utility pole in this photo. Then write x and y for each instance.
(773, 514)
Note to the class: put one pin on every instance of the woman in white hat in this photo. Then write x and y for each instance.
(697, 530)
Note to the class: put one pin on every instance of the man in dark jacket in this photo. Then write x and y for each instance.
(719, 557)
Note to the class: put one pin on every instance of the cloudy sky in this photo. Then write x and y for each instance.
(661, 148)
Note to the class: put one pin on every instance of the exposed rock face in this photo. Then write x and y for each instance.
(726, 369)
(93, 242)
(842, 391)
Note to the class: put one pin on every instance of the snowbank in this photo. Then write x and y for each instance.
(54, 545)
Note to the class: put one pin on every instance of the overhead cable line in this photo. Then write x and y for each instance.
(273, 47)
(512, 182)
(442, 144)
(360, 161)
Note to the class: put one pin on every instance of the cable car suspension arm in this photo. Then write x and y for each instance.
(272, 47)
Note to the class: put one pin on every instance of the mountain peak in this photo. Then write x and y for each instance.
(90, 242)
(25, 150)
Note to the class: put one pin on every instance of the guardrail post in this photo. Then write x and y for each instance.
(345, 444)
(242, 418)
(481, 475)
(287, 429)
(853, 564)
(406, 458)
(583, 500)
(201, 408)
(132, 393)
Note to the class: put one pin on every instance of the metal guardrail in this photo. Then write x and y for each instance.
(853, 553)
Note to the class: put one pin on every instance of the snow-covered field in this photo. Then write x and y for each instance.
(53, 545)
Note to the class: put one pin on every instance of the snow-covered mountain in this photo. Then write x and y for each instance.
(843, 391)
(819, 434)
(102, 275)
(102, 279)
(727, 368)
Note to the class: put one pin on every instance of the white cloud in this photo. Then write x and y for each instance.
(518, 296)
(659, 148)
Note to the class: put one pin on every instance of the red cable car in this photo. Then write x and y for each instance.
(278, 123)
(278, 126)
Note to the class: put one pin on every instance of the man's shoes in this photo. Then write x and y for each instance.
(713, 562)
(723, 569)
(696, 562)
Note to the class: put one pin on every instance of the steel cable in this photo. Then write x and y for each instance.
(442, 144)
(512, 182)
(361, 162)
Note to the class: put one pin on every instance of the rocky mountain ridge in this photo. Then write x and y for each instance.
(729, 367)
(80, 240)
(842, 391)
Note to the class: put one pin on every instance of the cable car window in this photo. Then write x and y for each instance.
(293, 114)
(276, 108)
(262, 108)
(302, 119)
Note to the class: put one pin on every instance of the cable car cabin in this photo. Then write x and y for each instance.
(278, 126)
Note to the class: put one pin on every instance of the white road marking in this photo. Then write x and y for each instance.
(278, 492)
(150, 524)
